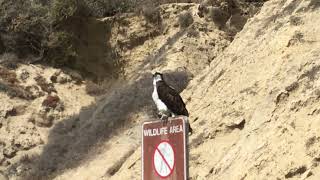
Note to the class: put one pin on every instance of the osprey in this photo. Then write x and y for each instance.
(167, 99)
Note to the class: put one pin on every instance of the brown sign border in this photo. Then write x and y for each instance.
(185, 133)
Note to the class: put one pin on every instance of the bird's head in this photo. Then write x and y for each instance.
(157, 77)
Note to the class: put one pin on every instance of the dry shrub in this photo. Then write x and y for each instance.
(40, 28)
(193, 33)
(44, 85)
(24, 25)
(61, 49)
(8, 76)
(51, 101)
(62, 10)
(9, 61)
(151, 13)
(13, 90)
(185, 19)
(100, 8)
(9, 84)
(12, 112)
(94, 89)
(26, 159)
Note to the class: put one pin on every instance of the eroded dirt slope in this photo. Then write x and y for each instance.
(57, 127)
(255, 109)
(253, 101)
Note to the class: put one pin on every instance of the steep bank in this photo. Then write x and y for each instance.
(256, 107)
(254, 110)
(75, 131)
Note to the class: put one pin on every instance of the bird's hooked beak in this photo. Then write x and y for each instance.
(155, 74)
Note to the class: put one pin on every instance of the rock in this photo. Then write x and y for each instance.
(238, 123)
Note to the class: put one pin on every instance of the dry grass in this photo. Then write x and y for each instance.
(44, 85)
(95, 89)
(13, 91)
(8, 76)
(185, 19)
(9, 84)
(193, 33)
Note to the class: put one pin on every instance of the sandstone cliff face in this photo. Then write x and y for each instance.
(255, 109)
(253, 101)
(268, 80)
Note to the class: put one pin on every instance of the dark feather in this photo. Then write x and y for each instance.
(171, 98)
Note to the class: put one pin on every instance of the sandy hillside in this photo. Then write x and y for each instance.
(255, 109)
(253, 99)
(61, 124)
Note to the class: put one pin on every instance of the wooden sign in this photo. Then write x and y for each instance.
(164, 153)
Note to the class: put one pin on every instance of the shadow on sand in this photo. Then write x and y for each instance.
(72, 141)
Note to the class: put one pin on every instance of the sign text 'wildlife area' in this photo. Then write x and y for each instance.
(163, 131)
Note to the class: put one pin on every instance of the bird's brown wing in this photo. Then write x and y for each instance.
(172, 99)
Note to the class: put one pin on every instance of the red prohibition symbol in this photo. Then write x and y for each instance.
(164, 159)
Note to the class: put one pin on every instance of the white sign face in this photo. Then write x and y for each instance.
(163, 159)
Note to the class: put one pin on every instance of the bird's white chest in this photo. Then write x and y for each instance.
(160, 105)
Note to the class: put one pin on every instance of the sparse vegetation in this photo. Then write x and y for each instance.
(9, 61)
(51, 101)
(185, 20)
(11, 112)
(193, 33)
(8, 76)
(94, 89)
(41, 29)
(25, 159)
(44, 85)
(151, 13)
(15, 91)
(10, 85)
